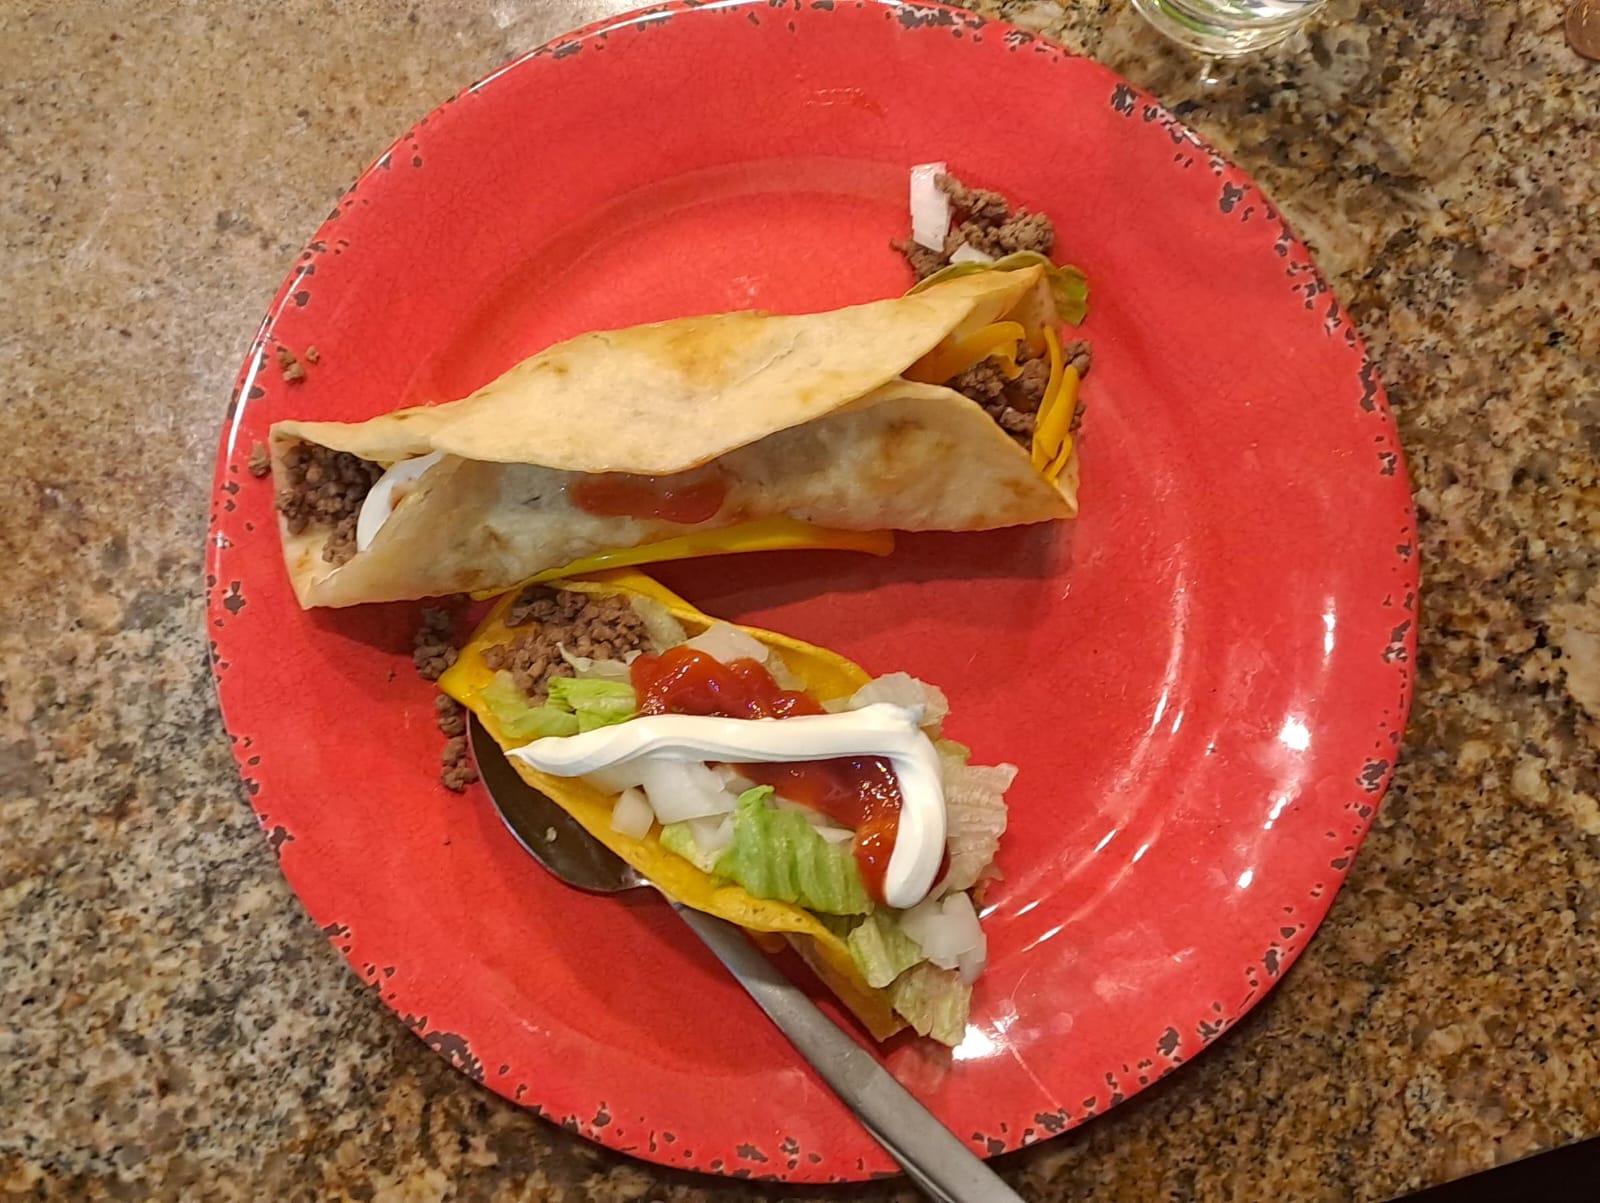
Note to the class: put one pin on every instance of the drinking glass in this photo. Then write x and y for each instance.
(1220, 27)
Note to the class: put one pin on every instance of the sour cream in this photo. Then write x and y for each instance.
(387, 493)
(881, 729)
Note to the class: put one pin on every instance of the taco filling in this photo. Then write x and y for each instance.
(755, 777)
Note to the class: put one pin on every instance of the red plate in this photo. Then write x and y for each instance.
(1204, 680)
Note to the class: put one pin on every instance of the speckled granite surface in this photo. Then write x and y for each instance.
(173, 1025)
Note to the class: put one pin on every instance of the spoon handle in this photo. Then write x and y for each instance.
(942, 1166)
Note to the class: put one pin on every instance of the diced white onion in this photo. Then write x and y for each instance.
(733, 780)
(725, 642)
(782, 675)
(632, 815)
(969, 254)
(586, 668)
(835, 835)
(972, 961)
(617, 778)
(712, 834)
(684, 789)
(945, 929)
(930, 207)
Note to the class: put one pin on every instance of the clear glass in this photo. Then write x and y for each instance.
(1227, 26)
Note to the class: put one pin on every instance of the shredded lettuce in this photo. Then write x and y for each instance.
(596, 702)
(934, 1001)
(678, 838)
(1068, 285)
(975, 817)
(778, 854)
(517, 719)
(881, 949)
(902, 689)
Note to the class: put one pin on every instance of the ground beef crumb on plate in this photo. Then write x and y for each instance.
(433, 646)
(456, 770)
(260, 460)
(985, 221)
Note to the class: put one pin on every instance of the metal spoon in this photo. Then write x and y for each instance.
(942, 1166)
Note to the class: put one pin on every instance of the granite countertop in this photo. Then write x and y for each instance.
(174, 1027)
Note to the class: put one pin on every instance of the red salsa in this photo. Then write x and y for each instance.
(619, 495)
(859, 792)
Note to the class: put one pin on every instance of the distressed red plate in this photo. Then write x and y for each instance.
(1203, 680)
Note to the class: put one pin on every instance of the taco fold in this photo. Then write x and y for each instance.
(737, 431)
(754, 777)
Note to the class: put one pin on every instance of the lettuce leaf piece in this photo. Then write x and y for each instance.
(975, 817)
(934, 1001)
(678, 839)
(1068, 285)
(596, 702)
(517, 719)
(778, 854)
(881, 949)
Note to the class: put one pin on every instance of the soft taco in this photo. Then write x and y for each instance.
(838, 820)
(737, 431)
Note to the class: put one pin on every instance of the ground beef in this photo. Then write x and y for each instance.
(433, 646)
(986, 222)
(456, 770)
(979, 205)
(983, 382)
(313, 355)
(604, 628)
(450, 714)
(1013, 404)
(291, 368)
(433, 651)
(325, 489)
(1027, 391)
(923, 261)
(1025, 232)
(260, 459)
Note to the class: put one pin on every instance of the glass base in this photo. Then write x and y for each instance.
(1224, 28)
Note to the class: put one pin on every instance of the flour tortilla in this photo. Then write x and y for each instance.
(803, 417)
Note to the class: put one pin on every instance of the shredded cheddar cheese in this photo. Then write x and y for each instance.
(766, 534)
(949, 360)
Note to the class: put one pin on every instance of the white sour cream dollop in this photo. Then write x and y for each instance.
(881, 729)
(387, 493)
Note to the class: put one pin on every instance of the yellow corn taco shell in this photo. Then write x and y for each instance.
(820, 672)
(821, 428)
